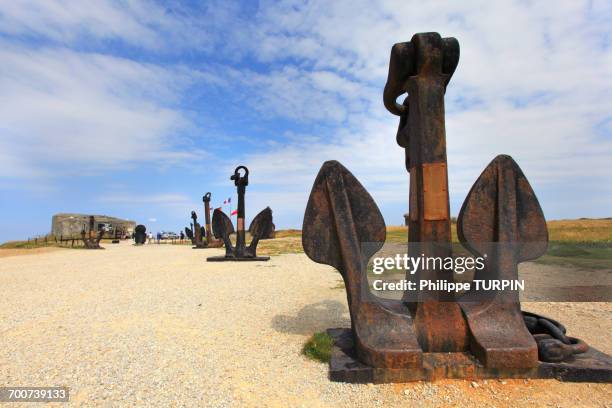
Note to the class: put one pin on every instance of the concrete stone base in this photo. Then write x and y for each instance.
(232, 259)
(592, 366)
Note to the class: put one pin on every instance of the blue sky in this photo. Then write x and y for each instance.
(137, 108)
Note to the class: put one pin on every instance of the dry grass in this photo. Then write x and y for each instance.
(289, 233)
(592, 238)
(584, 243)
(399, 233)
(284, 245)
(50, 243)
(583, 230)
(37, 243)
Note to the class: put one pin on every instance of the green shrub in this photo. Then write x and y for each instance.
(318, 347)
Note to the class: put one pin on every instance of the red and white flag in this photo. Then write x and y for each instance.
(234, 212)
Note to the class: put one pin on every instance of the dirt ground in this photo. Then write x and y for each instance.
(33, 251)
(158, 326)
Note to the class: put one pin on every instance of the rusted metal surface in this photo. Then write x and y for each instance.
(501, 217)
(91, 238)
(435, 192)
(423, 68)
(198, 232)
(202, 236)
(222, 225)
(553, 344)
(268, 233)
(208, 239)
(346, 366)
(438, 336)
(220, 220)
(140, 234)
(189, 233)
(340, 216)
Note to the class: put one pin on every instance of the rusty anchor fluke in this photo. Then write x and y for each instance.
(261, 227)
(438, 335)
(189, 233)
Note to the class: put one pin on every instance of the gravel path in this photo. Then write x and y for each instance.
(157, 326)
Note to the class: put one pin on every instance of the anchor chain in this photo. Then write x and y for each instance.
(553, 344)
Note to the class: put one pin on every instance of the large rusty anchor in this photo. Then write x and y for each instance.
(436, 335)
(211, 241)
(222, 227)
(197, 233)
(91, 238)
(202, 236)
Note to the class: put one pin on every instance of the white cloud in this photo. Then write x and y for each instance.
(164, 199)
(134, 22)
(533, 81)
(302, 95)
(62, 110)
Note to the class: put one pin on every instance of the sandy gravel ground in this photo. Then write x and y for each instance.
(20, 251)
(158, 326)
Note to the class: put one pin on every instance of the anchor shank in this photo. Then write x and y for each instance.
(440, 325)
(240, 182)
(240, 230)
(209, 234)
(429, 204)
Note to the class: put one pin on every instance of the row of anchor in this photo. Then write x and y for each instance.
(436, 335)
(217, 233)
